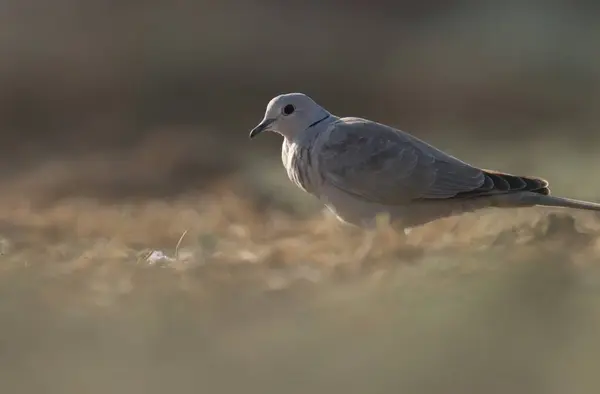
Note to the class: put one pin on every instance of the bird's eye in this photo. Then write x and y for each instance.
(288, 109)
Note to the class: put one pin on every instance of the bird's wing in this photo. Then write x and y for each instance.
(381, 164)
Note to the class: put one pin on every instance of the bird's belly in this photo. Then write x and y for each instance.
(358, 212)
(352, 210)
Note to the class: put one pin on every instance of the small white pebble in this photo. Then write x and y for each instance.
(158, 256)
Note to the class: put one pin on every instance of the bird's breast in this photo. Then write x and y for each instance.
(298, 162)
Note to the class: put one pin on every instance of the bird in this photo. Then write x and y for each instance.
(361, 169)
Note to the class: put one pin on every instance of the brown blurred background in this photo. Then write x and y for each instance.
(123, 130)
(129, 82)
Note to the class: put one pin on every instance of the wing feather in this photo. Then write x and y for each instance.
(384, 165)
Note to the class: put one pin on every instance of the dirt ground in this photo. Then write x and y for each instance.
(226, 290)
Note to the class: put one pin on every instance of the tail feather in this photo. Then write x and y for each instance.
(553, 201)
(501, 183)
(508, 190)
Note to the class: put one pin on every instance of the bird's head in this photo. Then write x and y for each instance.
(290, 114)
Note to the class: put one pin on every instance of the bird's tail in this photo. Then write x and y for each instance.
(506, 190)
(553, 201)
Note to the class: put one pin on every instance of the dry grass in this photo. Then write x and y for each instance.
(220, 229)
(259, 298)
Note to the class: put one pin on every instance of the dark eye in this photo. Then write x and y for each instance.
(288, 109)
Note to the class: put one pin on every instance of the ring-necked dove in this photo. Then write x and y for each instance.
(360, 169)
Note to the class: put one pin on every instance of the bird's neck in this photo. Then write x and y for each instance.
(308, 135)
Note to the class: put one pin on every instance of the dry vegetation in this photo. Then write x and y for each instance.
(258, 297)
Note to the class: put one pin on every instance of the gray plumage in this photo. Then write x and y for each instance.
(360, 169)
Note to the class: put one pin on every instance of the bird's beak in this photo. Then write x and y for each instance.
(262, 126)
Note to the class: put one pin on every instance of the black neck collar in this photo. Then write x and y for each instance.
(319, 121)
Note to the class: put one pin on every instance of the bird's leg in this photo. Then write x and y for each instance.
(366, 246)
(379, 236)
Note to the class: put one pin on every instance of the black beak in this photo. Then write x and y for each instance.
(264, 125)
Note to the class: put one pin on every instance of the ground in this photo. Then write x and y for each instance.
(222, 291)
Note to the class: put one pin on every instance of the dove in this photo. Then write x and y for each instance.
(360, 169)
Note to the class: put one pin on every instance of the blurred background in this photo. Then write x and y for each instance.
(123, 133)
(130, 82)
